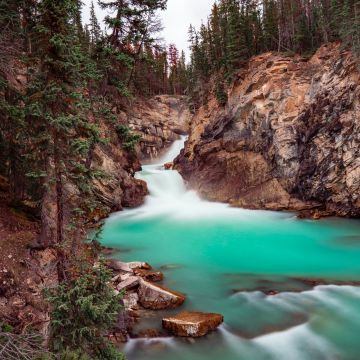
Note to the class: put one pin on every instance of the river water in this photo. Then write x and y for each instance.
(250, 266)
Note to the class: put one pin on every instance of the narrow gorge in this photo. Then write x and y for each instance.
(176, 192)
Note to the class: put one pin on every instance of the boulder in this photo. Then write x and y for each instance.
(156, 297)
(139, 265)
(127, 267)
(118, 266)
(154, 276)
(192, 324)
(129, 283)
(131, 300)
(169, 166)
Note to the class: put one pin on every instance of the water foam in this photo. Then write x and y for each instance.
(169, 196)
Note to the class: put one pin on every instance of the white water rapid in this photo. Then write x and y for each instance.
(169, 195)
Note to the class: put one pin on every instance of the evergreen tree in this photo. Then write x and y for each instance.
(58, 117)
(94, 27)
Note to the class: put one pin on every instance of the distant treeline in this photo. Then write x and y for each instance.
(238, 29)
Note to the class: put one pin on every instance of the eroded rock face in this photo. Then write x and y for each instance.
(287, 139)
(192, 324)
(156, 297)
(119, 189)
(159, 121)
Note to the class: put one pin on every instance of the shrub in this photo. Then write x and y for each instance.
(220, 93)
(129, 140)
(84, 309)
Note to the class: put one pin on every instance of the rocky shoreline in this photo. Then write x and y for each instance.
(143, 291)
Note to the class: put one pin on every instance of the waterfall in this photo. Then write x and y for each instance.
(169, 195)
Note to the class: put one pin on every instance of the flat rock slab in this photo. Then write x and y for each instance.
(192, 324)
(155, 297)
(129, 283)
(127, 267)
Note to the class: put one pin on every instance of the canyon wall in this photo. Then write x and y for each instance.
(288, 138)
(159, 121)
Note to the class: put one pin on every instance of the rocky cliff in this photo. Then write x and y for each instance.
(288, 139)
(159, 121)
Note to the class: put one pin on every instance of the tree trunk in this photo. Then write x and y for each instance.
(59, 210)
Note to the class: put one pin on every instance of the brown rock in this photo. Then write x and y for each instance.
(149, 334)
(130, 283)
(127, 267)
(131, 300)
(192, 324)
(169, 166)
(315, 214)
(287, 139)
(159, 120)
(153, 276)
(156, 297)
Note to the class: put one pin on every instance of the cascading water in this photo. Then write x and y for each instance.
(251, 266)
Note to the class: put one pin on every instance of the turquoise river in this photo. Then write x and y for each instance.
(253, 267)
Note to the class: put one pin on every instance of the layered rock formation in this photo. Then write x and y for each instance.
(119, 189)
(287, 139)
(159, 120)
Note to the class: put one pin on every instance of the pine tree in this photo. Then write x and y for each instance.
(235, 41)
(270, 24)
(59, 126)
(94, 27)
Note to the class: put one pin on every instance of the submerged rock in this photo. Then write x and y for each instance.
(192, 324)
(170, 267)
(156, 297)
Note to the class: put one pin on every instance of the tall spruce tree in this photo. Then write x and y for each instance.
(57, 112)
(94, 26)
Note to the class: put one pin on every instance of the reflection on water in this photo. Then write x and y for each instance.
(279, 282)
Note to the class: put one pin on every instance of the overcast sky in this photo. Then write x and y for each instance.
(176, 19)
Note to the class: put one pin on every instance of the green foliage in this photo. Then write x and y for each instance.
(83, 310)
(129, 140)
(5, 327)
(237, 30)
(221, 95)
(123, 89)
